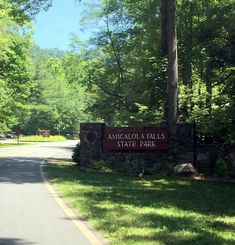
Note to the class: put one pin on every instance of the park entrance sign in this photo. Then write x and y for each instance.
(143, 145)
(135, 139)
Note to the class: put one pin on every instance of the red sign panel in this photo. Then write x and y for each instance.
(136, 139)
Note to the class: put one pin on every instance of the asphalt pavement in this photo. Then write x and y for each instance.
(29, 211)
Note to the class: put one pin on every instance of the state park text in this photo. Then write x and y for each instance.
(135, 139)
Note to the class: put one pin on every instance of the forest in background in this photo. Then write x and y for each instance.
(119, 76)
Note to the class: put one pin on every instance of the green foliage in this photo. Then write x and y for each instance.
(101, 166)
(206, 58)
(129, 166)
(24, 10)
(56, 103)
(36, 89)
(14, 76)
(221, 169)
(119, 76)
(127, 74)
(126, 69)
(164, 168)
(76, 153)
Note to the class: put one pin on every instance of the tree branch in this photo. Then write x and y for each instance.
(104, 89)
(117, 58)
(222, 80)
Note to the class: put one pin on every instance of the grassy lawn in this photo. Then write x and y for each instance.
(129, 210)
(3, 145)
(38, 138)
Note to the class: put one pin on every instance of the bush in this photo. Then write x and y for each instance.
(126, 167)
(76, 153)
(133, 167)
(167, 168)
(221, 168)
(164, 168)
(101, 166)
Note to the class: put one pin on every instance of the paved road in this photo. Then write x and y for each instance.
(29, 213)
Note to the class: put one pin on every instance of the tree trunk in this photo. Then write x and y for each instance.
(187, 37)
(163, 11)
(208, 75)
(172, 79)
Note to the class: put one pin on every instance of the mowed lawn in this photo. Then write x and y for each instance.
(130, 210)
(5, 145)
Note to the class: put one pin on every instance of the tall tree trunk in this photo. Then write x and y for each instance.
(208, 75)
(187, 43)
(163, 11)
(172, 79)
(187, 37)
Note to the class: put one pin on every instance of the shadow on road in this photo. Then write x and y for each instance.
(14, 241)
(60, 147)
(21, 170)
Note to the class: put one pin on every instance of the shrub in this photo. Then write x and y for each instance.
(221, 168)
(101, 166)
(164, 168)
(76, 153)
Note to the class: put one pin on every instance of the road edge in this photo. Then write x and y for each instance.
(93, 236)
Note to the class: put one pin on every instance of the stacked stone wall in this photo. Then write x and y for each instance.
(203, 156)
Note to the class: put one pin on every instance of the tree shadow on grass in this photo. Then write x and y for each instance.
(201, 197)
(161, 229)
(168, 238)
(207, 199)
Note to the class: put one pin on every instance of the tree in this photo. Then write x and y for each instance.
(172, 82)
(206, 51)
(126, 66)
(58, 100)
(168, 11)
(122, 74)
(13, 68)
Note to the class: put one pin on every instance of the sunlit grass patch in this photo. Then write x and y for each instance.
(130, 210)
(9, 145)
(38, 138)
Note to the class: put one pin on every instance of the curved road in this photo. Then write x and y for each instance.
(29, 214)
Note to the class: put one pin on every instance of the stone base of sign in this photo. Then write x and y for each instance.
(203, 156)
(91, 148)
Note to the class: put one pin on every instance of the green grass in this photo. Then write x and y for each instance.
(9, 145)
(37, 138)
(129, 210)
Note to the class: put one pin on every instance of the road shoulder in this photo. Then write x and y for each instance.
(79, 221)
